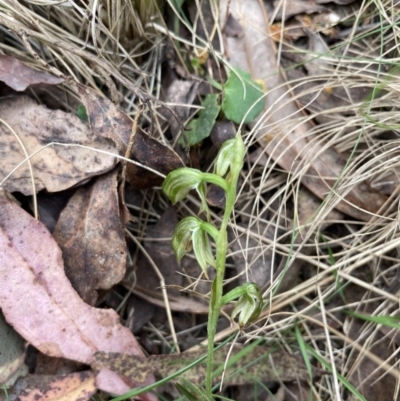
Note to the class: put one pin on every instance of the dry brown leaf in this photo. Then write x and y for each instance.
(48, 365)
(176, 303)
(159, 249)
(55, 168)
(340, 96)
(12, 351)
(19, 76)
(287, 9)
(182, 94)
(91, 238)
(286, 140)
(247, 255)
(39, 302)
(73, 387)
(109, 122)
(153, 154)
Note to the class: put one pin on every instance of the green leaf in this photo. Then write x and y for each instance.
(178, 4)
(242, 95)
(191, 391)
(81, 113)
(384, 320)
(341, 378)
(202, 125)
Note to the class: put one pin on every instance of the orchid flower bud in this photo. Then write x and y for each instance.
(191, 232)
(181, 181)
(231, 151)
(249, 304)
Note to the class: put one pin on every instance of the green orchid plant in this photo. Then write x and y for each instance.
(195, 233)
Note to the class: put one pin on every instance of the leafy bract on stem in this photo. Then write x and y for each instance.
(193, 233)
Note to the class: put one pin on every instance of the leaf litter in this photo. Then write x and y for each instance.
(32, 273)
(284, 237)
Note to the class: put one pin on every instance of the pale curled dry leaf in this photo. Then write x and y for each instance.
(73, 387)
(176, 303)
(39, 302)
(284, 138)
(19, 76)
(54, 168)
(91, 238)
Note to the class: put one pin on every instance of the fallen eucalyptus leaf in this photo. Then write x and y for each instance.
(107, 121)
(39, 302)
(91, 238)
(55, 168)
(73, 387)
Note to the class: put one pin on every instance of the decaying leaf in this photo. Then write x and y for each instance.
(19, 76)
(159, 249)
(244, 366)
(12, 351)
(259, 264)
(295, 7)
(91, 238)
(176, 303)
(153, 154)
(108, 122)
(286, 140)
(38, 300)
(55, 168)
(73, 387)
(179, 94)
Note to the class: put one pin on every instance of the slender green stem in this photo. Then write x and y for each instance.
(222, 245)
(215, 179)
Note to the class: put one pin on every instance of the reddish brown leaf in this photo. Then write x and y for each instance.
(153, 154)
(54, 168)
(109, 122)
(159, 248)
(39, 301)
(91, 237)
(19, 76)
(73, 387)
